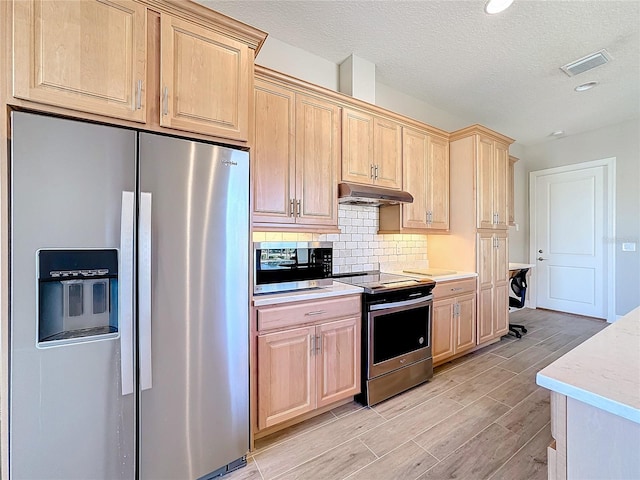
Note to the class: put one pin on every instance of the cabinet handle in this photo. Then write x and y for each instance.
(313, 344)
(291, 201)
(376, 172)
(299, 208)
(430, 217)
(317, 312)
(371, 174)
(456, 289)
(139, 95)
(319, 344)
(165, 101)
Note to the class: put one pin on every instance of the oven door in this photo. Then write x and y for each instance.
(399, 334)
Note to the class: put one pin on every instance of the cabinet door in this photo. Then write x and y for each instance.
(485, 262)
(501, 285)
(485, 182)
(273, 154)
(88, 56)
(317, 160)
(286, 375)
(204, 80)
(415, 148)
(357, 147)
(465, 323)
(338, 360)
(387, 153)
(438, 184)
(500, 185)
(443, 334)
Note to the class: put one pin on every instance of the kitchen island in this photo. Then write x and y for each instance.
(595, 405)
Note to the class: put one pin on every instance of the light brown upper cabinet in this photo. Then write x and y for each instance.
(204, 80)
(371, 149)
(493, 168)
(164, 64)
(425, 160)
(510, 190)
(295, 158)
(88, 56)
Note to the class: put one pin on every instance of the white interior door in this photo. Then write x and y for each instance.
(571, 274)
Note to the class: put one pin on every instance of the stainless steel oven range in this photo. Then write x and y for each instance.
(396, 333)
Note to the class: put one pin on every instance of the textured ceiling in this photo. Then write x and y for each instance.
(501, 71)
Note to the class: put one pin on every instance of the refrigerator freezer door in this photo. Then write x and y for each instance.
(68, 418)
(195, 418)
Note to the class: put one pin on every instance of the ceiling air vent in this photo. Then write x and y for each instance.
(586, 63)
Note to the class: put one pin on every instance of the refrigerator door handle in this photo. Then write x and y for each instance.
(125, 293)
(144, 296)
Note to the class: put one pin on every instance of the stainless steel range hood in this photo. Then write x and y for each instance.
(354, 194)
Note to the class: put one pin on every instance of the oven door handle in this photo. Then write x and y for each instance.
(404, 303)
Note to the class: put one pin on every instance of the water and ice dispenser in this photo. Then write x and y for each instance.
(77, 295)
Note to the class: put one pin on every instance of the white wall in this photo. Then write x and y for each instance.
(621, 141)
(396, 101)
(298, 63)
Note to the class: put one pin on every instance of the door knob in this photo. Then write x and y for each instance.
(541, 259)
(539, 251)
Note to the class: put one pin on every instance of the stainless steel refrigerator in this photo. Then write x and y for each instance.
(128, 303)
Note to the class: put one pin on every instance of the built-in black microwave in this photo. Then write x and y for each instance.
(282, 266)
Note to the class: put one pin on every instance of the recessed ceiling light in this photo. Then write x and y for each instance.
(557, 133)
(585, 86)
(496, 6)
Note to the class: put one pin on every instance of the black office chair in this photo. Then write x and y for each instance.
(519, 287)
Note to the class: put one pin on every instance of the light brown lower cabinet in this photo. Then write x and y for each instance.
(304, 368)
(453, 319)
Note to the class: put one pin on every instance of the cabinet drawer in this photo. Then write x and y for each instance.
(270, 318)
(454, 288)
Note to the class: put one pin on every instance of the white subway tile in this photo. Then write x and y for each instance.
(345, 237)
(351, 261)
(356, 237)
(357, 222)
(351, 245)
(338, 245)
(273, 236)
(363, 245)
(333, 237)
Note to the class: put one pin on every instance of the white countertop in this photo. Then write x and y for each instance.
(604, 371)
(335, 290)
(520, 266)
(437, 274)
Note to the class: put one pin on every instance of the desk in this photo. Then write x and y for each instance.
(514, 268)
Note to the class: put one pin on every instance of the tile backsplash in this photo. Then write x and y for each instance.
(358, 247)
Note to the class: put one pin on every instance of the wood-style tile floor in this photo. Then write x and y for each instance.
(481, 416)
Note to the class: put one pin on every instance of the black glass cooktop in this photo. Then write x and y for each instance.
(374, 282)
